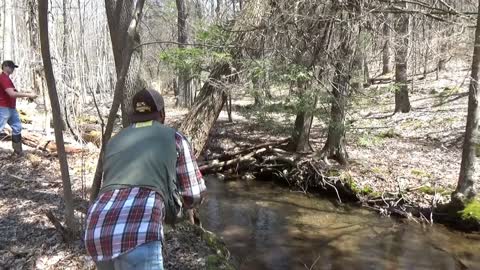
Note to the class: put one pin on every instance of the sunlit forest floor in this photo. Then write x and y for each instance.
(417, 154)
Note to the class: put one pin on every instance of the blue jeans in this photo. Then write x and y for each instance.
(144, 257)
(10, 116)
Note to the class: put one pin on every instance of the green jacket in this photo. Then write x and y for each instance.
(143, 155)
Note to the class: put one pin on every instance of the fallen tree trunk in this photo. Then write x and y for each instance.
(43, 144)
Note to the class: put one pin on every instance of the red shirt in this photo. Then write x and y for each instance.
(5, 99)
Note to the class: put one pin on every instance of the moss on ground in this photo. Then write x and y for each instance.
(354, 187)
(432, 191)
(471, 211)
(214, 262)
(219, 260)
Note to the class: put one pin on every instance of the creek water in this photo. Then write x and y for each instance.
(270, 227)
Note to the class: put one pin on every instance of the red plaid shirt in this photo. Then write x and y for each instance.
(123, 219)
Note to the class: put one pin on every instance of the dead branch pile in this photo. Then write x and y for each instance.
(306, 173)
(270, 161)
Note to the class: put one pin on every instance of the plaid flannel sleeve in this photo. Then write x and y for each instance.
(189, 177)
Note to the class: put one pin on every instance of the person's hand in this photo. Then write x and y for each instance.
(32, 95)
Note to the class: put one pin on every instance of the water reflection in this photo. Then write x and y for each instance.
(267, 227)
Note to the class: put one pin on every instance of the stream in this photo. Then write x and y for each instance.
(266, 226)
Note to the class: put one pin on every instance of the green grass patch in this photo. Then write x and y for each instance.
(377, 170)
(391, 133)
(431, 190)
(427, 190)
(366, 190)
(449, 120)
(421, 173)
(367, 140)
(412, 123)
(333, 173)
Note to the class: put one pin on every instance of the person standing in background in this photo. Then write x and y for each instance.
(8, 112)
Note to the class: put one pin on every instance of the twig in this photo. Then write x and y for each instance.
(102, 122)
(18, 178)
(380, 200)
(326, 182)
(67, 237)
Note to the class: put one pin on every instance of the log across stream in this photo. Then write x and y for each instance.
(269, 227)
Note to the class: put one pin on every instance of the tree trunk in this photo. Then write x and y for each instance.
(57, 119)
(358, 74)
(8, 30)
(234, 7)
(402, 102)
(208, 105)
(209, 102)
(119, 16)
(117, 96)
(218, 9)
(303, 122)
(334, 147)
(133, 83)
(184, 89)
(442, 54)
(37, 71)
(366, 71)
(467, 187)
(301, 133)
(229, 106)
(386, 59)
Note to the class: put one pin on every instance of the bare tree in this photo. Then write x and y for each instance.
(57, 119)
(386, 53)
(218, 9)
(119, 16)
(184, 94)
(9, 29)
(118, 93)
(402, 102)
(468, 182)
(348, 34)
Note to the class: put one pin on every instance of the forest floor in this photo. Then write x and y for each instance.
(417, 154)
